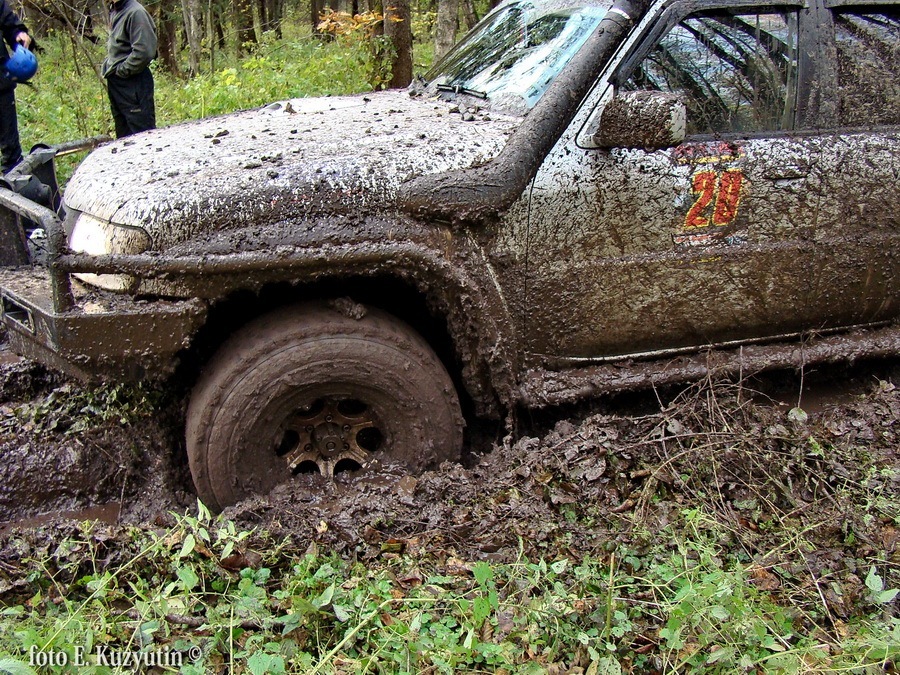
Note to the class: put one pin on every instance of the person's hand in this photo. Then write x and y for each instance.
(24, 39)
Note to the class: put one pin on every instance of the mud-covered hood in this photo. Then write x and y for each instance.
(284, 161)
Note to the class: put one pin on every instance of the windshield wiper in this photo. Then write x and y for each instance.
(456, 89)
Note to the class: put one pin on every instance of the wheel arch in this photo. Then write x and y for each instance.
(452, 301)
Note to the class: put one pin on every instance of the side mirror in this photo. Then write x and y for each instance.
(648, 120)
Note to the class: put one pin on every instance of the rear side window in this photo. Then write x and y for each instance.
(868, 52)
(737, 72)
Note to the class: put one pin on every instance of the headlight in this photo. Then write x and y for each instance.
(99, 237)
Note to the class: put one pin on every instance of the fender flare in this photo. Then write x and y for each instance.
(448, 268)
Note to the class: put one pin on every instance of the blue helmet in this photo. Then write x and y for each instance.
(22, 65)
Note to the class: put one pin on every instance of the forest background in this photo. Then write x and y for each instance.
(224, 55)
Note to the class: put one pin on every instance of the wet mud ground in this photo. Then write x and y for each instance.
(816, 451)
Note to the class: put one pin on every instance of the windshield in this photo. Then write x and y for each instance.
(514, 54)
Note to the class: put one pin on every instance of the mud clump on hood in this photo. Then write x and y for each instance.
(291, 159)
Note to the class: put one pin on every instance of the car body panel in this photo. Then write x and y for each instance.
(550, 260)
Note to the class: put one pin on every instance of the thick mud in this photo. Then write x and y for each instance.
(768, 458)
(779, 453)
(69, 451)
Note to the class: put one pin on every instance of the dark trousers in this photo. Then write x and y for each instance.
(131, 100)
(9, 130)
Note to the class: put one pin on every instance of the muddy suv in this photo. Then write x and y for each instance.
(578, 198)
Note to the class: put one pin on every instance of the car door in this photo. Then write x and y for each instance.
(859, 146)
(731, 235)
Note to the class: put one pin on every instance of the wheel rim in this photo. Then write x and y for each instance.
(327, 431)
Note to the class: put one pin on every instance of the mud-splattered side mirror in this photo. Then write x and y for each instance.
(642, 119)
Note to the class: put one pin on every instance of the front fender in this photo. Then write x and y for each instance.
(448, 268)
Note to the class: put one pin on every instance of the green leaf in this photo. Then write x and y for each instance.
(290, 622)
(886, 596)
(188, 578)
(718, 655)
(483, 573)
(719, 612)
(608, 665)
(481, 610)
(303, 606)
(559, 566)
(188, 546)
(873, 581)
(324, 598)
(10, 666)
(264, 664)
(341, 613)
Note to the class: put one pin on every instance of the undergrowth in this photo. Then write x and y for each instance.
(747, 542)
(214, 597)
(70, 410)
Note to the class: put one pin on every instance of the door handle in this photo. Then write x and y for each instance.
(787, 173)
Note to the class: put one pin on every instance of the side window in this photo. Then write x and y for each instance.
(868, 51)
(737, 72)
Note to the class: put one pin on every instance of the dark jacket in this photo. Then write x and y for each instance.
(10, 26)
(132, 40)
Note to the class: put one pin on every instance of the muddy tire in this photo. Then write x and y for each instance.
(308, 386)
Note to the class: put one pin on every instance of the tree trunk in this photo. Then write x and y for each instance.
(397, 27)
(191, 11)
(242, 14)
(168, 36)
(315, 10)
(270, 15)
(469, 14)
(220, 31)
(262, 10)
(446, 27)
(274, 15)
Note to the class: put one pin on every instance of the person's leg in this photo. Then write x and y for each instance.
(10, 148)
(132, 103)
(118, 102)
(143, 116)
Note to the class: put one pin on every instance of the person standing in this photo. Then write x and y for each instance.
(129, 82)
(14, 32)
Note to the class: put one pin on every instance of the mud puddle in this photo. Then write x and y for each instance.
(821, 389)
(107, 514)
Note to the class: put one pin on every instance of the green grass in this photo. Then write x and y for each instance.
(198, 589)
(67, 100)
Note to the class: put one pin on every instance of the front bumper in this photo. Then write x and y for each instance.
(52, 318)
(101, 334)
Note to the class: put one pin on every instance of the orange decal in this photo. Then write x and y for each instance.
(728, 198)
(704, 185)
(725, 187)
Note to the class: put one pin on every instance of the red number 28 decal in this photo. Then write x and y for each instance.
(725, 187)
